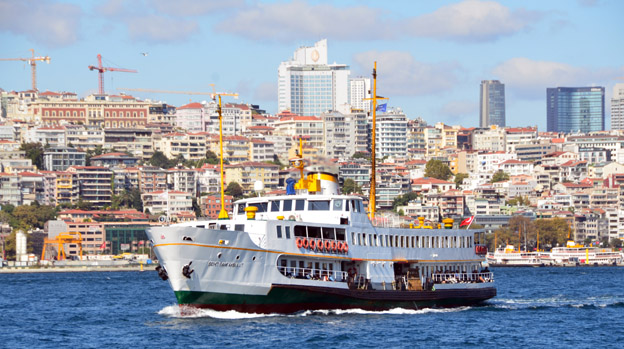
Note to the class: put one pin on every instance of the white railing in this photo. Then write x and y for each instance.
(313, 274)
(454, 278)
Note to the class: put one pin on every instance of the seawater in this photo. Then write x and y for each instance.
(578, 307)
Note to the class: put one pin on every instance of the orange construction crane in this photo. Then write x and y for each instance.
(101, 71)
(33, 65)
(61, 240)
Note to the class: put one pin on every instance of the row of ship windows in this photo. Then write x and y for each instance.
(364, 239)
(300, 205)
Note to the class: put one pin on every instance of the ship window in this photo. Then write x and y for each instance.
(287, 205)
(360, 205)
(287, 228)
(417, 242)
(299, 205)
(275, 206)
(300, 230)
(353, 238)
(375, 241)
(262, 206)
(337, 205)
(241, 208)
(279, 231)
(318, 205)
(223, 227)
(314, 232)
(328, 233)
(239, 227)
(340, 234)
(365, 239)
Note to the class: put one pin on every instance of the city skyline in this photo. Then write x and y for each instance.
(431, 56)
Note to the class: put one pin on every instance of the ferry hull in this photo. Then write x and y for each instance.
(293, 298)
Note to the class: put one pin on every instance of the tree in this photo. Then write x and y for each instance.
(34, 151)
(402, 200)
(361, 155)
(33, 216)
(197, 208)
(212, 158)
(235, 190)
(437, 169)
(616, 243)
(349, 186)
(499, 176)
(459, 179)
(159, 159)
(98, 150)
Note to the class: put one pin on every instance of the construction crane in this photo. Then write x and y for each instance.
(61, 240)
(33, 65)
(101, 71)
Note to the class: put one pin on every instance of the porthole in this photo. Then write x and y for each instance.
(237, 257)
(219, 255)
(253, 258)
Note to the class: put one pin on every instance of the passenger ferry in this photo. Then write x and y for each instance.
(573, 255)
(508, 256)
(317, 249)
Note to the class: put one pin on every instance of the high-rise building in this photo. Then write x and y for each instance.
(492, 111)
(359, 91)
(308, 86)
(575, 109)
(617, 107)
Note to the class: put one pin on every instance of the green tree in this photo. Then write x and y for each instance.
(499, 176)
(235, 190)
(552, 232)
(34, 216)
(402, 200)
(616, 243)
(197, 208)
(98, 150)
(361, 155)
(159, 159)
(459, 179)
(437, 169)
(212, 158)
(349, 186)
(34, 151)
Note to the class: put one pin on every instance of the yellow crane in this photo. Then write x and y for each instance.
(33, 65)
(165, 91)
(60, 241)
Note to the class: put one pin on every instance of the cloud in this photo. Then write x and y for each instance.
(529, 78)
(471, 20)
(193, 7)
(297, 20)
(399, 74)
(460, 108)
(154, 28)
(45, 22)
(266, 91)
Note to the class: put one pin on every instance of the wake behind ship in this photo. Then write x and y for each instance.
(317, 249)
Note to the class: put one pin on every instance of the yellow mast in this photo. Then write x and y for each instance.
(222, 213)
(372, 194)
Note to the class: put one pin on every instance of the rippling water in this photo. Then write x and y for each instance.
(537, 307)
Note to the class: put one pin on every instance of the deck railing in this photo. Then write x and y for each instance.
(313, 274)
(453, 278)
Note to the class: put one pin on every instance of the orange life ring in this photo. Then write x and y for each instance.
(346, 248)
(312, 244)
(339, 245)
(319, 245)
(327, 244)
(332, 245)
(299, 242)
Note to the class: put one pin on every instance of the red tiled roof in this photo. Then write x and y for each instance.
(191, 106)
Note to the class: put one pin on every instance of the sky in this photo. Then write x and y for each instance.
(431, 55)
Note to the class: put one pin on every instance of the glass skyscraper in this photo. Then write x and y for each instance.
(492, 110)
(572, 109)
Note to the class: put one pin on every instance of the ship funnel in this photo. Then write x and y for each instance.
(323, 181)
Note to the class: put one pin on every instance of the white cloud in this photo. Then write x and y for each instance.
(460, 108)
(399, 74)
(192, 7)
(154, 28)
(45, 22)
(529, 78)
(266, 91)
(471, 20)
(299, 20)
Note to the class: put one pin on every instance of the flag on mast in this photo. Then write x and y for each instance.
(467, 221)
(382, 107)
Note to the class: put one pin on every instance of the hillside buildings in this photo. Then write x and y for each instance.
(617, 107)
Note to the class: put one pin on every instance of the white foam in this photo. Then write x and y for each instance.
(190, 312)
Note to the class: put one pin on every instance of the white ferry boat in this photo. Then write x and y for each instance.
(573, 255)
(508, 256)
(318, 250)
